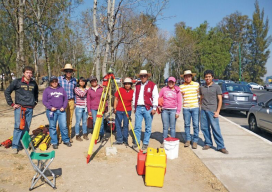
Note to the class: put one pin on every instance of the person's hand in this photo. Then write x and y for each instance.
(53, 109)
(90, 113)
(160, 109)
(153, 112)
(62, 109)
(114, 111)
(16, 106)
(216, 114)
(177, 116)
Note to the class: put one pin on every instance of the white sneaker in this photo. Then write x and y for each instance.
(14, 151)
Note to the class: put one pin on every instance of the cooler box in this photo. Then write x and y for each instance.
(171, 146)
(141, 162)
(155, 166)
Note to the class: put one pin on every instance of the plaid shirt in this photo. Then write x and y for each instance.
(68, 86)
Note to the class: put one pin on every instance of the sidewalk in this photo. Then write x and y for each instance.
(247, 167)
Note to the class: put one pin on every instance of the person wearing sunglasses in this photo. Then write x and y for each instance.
(120, 114)
(68, 82)
(55, 101)
(145, 103)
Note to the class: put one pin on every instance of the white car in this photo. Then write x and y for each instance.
(256, 86)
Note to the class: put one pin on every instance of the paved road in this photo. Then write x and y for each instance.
(241, 118)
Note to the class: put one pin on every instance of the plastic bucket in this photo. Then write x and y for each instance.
(171, 146)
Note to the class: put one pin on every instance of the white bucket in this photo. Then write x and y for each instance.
(171, 146)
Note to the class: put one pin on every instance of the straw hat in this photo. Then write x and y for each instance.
(188, 72)
(127, 80)
(144, 72)
(68, 66)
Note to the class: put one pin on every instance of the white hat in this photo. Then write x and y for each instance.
(144, 72)
(188, 72)
(68, 66)
(127, 80)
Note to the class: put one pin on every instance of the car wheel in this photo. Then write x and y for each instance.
(253, 124)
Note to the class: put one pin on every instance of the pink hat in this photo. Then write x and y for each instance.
(172, 79)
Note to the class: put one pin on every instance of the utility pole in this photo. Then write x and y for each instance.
(240, 62)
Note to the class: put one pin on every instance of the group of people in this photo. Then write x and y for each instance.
(64, 95)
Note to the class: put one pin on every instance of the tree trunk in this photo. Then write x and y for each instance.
(97, 41)
(21, 33)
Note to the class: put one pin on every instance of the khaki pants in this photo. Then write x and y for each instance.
(69, 117)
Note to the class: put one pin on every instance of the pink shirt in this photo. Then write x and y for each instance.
(171, 98)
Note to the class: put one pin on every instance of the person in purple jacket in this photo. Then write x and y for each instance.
(93, 98)
(55, 100)
(170, 108)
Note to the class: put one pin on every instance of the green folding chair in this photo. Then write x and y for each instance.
(42, 159)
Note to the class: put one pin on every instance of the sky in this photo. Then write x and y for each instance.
(195, 12)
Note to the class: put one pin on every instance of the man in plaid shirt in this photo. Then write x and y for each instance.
(68, 83)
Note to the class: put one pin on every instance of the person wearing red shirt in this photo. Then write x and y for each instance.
(120, 114)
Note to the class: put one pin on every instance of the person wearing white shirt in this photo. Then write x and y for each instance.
(145, 103)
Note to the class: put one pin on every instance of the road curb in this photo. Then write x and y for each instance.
(250, 132)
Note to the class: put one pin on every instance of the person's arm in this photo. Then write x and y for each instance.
(36, 93)
(179, 102)
(201, 97)
(65, 100)
(133, 100)
(8, 92)
(155, 96)
(45, 100)
(219, 97)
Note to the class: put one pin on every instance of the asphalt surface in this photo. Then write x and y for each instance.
(240, 117)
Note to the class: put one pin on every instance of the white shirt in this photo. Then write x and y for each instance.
(155, 96)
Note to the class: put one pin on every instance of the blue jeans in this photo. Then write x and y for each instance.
(207, 122)
(18, 133)
(59, 116)
(187, 115)
(81, 113)
(94, 113)
(169, 120)
(121, 134)
(142, 113)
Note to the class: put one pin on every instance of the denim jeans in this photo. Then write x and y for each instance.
(18, 133)
(169, 120)
(81, 113)
(142, 113)
(188, 114)
(121, 134)
(94, 113)
(60, 117)
(207, 122)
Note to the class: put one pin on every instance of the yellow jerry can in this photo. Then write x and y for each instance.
(155, 167)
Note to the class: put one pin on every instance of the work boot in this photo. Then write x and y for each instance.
(224, 151)
(194, 145)
(55, 146)
(144, 147)
(85, 136)
(134, 146)
(78, 138)
(68, 144)
(206, 147)
(187, 144)
(101, 139)
(117, 143)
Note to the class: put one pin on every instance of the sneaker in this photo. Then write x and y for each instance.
(78, 138)
(101, 138)
(224, 151)
(206, 147)
(14, 151)
(135, 146)
(68, 144)
(85, 136)
(144, 147)
(187, 144)
(117, 143)
(194, 145)
(55, 146)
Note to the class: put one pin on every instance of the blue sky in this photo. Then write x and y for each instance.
(195, 12)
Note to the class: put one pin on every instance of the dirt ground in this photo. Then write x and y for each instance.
(103, 173)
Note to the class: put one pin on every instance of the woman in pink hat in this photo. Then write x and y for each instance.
(120, 114)
(171, 107)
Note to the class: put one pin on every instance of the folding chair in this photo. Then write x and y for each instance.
(42, 159)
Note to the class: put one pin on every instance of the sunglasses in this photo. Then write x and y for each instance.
(143, 76)
(127, 84)
(55, 81)
(68, 71)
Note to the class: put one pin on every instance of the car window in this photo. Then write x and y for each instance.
(269, 104)
(236, 88)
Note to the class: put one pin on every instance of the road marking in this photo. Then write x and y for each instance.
(265, 140)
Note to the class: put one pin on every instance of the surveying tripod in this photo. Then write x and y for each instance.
(101, 108)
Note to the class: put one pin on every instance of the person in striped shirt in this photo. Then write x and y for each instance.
(190, 93)
(81, 111)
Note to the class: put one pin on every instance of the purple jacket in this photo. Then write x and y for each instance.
(54, 98)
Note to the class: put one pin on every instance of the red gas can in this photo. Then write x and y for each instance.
(141, 163)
